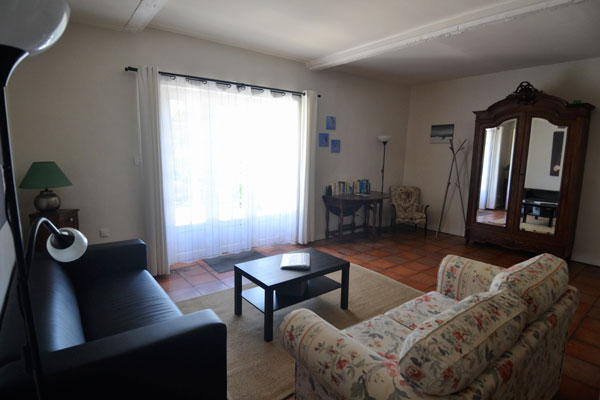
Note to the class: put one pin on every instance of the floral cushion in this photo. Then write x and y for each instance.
(414, 217)
(445, 353)
(459, 277)
(381, 334)
(405, 198)
(540, 281)
(417, 310)
(541, 346)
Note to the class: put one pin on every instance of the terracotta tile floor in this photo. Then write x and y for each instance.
(412, 259)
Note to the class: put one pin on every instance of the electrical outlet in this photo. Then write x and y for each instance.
(104, 232)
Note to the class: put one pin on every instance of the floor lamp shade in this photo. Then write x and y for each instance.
(44, 175)
(32, 25)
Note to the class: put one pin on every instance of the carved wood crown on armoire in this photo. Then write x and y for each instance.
(527, 170)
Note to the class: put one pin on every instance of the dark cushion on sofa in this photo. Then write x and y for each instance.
(110, 306)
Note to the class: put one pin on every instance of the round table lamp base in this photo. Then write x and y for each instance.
(47, 200)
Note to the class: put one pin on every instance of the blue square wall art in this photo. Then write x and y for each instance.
(323, 139)
(330, 122)
(336, 145)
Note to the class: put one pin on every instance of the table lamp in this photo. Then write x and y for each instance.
(44, 175)
(383, 139)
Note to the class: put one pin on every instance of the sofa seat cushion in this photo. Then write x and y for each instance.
(381, 334)
(417, 310)
(447, 352)
(540, 281)
(111, 306)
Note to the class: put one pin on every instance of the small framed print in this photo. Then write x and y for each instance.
(330, 122)
(441, 134)
(336, 146)
(323, 139)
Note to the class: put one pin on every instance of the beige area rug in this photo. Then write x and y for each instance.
(260, 370)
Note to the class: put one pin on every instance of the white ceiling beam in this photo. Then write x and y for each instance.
(143, 14)
(495, 13)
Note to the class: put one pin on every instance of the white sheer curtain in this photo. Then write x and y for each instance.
(491, 168)
(306, 215)
(232, 163)
(149, 154)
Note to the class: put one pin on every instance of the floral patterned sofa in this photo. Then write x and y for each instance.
(486, 332)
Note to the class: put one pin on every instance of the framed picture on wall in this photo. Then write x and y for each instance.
(336, 146)
(441, 134)
(330, 122)
(323, 139)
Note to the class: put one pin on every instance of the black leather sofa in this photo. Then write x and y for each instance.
(106, 329)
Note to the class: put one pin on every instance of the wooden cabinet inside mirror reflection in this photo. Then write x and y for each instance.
(61, 218)
(527, 171)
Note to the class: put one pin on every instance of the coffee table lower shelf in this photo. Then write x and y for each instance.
(315, 287)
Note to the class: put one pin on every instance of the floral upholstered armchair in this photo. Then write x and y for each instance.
(407, 206)
(486, 332)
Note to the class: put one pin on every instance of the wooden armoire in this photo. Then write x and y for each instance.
(527, 170)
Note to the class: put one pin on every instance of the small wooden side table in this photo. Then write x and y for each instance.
(348, 204)
(61, 218)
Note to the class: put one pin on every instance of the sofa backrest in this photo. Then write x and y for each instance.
(540, 281)
(55, 307)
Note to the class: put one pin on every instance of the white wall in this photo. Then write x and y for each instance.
(453, 101)
(76, 105)
(538, 161)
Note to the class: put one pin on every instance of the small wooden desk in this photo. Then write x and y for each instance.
(349, 204)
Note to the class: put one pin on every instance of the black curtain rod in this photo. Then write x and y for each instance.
(199, 78)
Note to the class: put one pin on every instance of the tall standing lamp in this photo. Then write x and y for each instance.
(385, 140)
(44, 175)
(27, 27)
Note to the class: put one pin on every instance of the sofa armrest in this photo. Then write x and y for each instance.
(460, 277)
(108, 259)
(338, 362)
(183, 357)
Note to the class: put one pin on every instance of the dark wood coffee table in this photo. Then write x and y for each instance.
(268, 275)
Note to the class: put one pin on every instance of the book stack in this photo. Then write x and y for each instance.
(361, 186)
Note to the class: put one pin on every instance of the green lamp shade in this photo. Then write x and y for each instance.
(44, 174)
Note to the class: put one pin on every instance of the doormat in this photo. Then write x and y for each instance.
(226, 262)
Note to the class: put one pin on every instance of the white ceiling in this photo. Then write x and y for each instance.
(402, 40)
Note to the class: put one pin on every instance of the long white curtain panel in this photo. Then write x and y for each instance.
(232, 161)
(151, 169)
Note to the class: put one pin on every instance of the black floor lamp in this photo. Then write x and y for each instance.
(27, 27)
(385, 140)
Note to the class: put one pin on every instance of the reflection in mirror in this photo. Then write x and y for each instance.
(539, 206)
(496, 169)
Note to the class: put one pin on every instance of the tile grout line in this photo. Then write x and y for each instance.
(569, 337)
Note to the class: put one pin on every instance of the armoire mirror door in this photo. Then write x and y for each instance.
(496, 170)
(540, 200)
